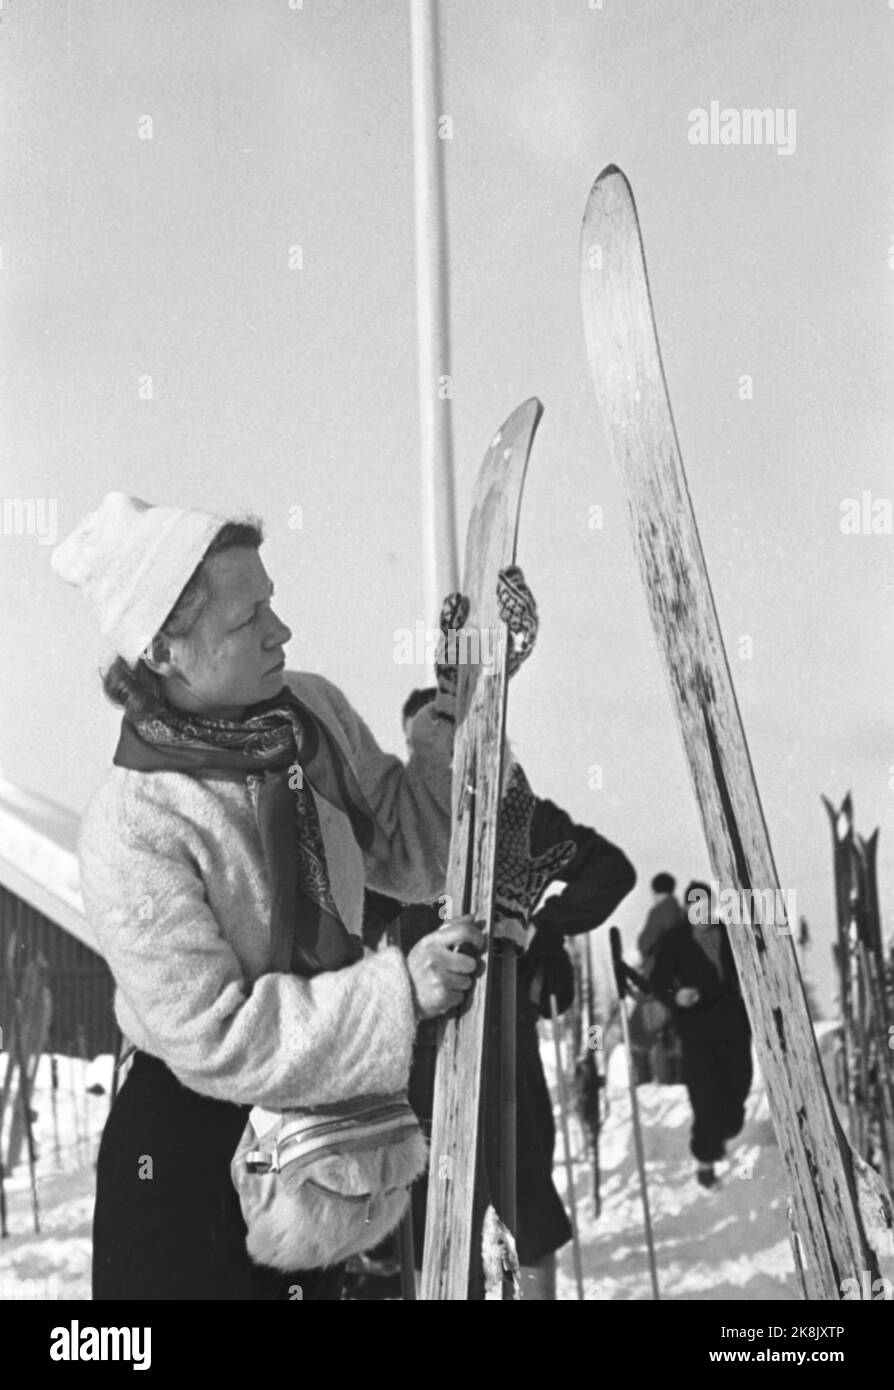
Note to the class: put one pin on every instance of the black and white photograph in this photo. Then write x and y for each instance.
(447, 738)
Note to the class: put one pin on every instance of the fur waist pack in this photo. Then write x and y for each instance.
(317, 1186)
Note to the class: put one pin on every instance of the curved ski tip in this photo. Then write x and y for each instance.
(611, 187)
(529, 411)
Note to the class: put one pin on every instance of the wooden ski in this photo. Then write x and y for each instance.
(477, 781)
(837, 1200)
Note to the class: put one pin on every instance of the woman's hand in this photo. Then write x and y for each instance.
(687, 997)
(440, 972)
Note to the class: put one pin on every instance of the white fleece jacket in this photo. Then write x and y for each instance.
(176, 889)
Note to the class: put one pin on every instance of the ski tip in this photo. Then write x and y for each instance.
(610, 189)
(524, 417)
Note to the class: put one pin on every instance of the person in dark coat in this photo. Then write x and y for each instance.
(652, 1033)
(695, 974)
(664, 913)
(597, 876)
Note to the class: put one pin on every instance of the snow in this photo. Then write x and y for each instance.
(730, 1243)
(56, 1263)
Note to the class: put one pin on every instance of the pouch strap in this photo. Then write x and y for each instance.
(303, 1137)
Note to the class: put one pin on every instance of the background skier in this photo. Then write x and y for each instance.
(651, 1024)
(664, 913)
(695, 974)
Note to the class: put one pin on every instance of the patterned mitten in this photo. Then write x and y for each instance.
(454, 612)
(518, 610)
(519, 878)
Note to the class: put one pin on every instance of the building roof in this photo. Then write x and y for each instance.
(38, 862)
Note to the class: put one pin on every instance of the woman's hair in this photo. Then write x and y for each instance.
(138, 689)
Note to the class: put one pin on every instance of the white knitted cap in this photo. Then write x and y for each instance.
(132, 561)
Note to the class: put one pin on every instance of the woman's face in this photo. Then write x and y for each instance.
(233, 656)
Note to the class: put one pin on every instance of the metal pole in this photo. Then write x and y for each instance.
(406, 1257)
(508, 1088)
(566, 1144)
(621, 982)
(54, 1096)
(640, 1156)
(25, 1102)
(440, 554)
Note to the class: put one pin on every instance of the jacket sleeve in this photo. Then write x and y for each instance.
(279, 1041)
(598, 878)
(663, 975)
(410, 801)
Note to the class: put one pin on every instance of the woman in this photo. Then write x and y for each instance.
(246, 809)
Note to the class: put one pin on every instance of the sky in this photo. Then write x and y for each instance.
(273, 388)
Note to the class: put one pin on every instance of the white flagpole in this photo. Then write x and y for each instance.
(441, 565)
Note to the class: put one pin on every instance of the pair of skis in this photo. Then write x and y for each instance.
(841, 1213)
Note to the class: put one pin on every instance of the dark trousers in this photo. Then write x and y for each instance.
(543, 1224)
(717, 1071)
(167, 1222)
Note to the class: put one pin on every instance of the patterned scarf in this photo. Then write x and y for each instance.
(296, 758)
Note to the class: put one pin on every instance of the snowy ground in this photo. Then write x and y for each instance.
(727, 1244)
(56, 1263)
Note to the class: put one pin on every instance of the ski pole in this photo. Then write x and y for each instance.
(85, 1092)
(3, 1091)
(622, 975)
(596, 1126)
(116, 1066)
(406, 1257)
(508, 1086)
(566, 1144)
(54, 1100)
(73, 1103)
(16, 977)
(25, 1101)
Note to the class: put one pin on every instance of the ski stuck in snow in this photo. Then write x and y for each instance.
(477, 780)
(842, 1214)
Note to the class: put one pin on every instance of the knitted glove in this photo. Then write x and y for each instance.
(546, 969)
(454, 611)
(520, 879)
(518, 610)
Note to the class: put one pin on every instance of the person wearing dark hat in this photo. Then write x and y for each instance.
(653, 1037)
(664, 913)
(695, 975)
